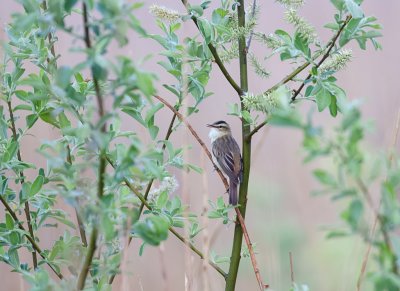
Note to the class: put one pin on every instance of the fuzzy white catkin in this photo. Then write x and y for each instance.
(305, 29)
(269, 101)
(294, 4)
(337, 61)
(164, 13)
(168, 184)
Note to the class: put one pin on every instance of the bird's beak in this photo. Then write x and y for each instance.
(209, 125)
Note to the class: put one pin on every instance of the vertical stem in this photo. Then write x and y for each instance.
(22, 181)
(102, 159)
(246, 152)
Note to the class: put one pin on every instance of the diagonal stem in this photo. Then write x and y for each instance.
(217, 59)
(328, 49)
(225, 182)
(330, 46)
(34, 244)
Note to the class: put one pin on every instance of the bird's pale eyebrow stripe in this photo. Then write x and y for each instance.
(220, 122)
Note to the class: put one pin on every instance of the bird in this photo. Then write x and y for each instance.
(226, 156)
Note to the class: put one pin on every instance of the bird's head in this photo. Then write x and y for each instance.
(218, 129)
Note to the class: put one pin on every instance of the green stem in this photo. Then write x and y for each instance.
(102, 159)
(246, 150)
(88, 259)
(22, 181)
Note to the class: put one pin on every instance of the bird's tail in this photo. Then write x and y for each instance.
(233, 200)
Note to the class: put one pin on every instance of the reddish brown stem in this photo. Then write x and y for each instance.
(225, 182)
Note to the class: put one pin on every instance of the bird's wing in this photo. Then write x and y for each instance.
(229, 159)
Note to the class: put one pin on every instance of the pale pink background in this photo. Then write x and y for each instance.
(281, 215)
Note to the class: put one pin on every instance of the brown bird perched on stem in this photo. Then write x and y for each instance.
(226, 155)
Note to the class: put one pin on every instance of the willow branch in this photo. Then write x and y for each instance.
(102, 163)
(217, 59)
(22, 181)
(171, 229)
(34, 244)
(224, 181)
(330, 46)
(256, 129)
(297, 71)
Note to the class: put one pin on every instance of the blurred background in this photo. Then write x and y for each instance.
(282, 215)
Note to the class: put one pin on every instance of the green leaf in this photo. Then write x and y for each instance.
(69, 4)
(339, 4)
(153, 230)
(22, 107)
(152, 111)
(206, 29)
(301, 44)
(196, 10)
(354, 9)
(63, 77)
(31, 119)
(153, 130)
(9, 221)
(333, 107)
(323, 97)
(162, 199)
(324, 177)
(36, 186)
(290, 118)
(49, 116)
(145, 83)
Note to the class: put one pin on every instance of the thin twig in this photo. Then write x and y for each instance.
(206, 238)
(253, 13)
(22, 181)
(217, 59)
(171, 229)
(238, 213)
(256, 129)
(35, 246)
(366, 256)
(251, 250)
(291, 268)
(196, 136)
(102, 159)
